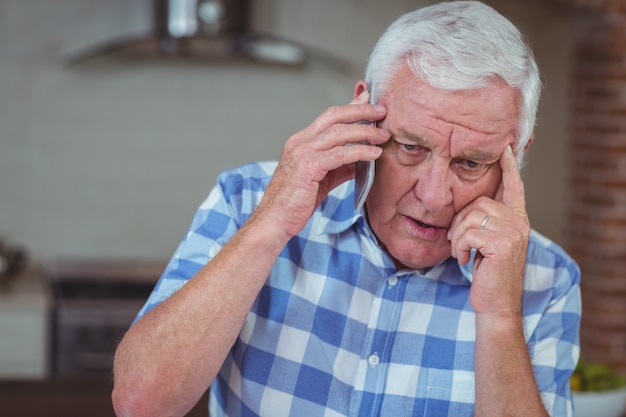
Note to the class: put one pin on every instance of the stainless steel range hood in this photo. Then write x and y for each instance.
(205, 30)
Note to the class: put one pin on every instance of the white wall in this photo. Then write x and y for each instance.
(111, 158)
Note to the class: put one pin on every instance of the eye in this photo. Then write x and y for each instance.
(469, 170)
(467, 164)
(408, 153)
(471, 164)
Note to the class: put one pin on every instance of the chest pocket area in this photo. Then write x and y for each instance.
(450, 393)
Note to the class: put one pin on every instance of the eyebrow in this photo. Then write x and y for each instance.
(469, 154)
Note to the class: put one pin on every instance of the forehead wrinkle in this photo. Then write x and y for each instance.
(476, 155)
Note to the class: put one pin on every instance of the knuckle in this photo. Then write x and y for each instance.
(338, 153)
(335, 130)
(330, 112)
(289, 145)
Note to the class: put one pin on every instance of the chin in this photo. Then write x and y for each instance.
(416, 261)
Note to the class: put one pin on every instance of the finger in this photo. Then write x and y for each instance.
(464, 222)
(363, 98)
(462, 248)
(511, 190)
(358, 110)
(470, 216)
(348, 155)
(353, 134)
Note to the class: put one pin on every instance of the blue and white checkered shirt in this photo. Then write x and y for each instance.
(337, 331)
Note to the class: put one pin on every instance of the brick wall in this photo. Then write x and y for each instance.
(597, 174)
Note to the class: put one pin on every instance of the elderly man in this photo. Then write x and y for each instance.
(436, 298)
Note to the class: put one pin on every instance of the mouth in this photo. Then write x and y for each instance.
(426, 230)
(428, 225)
(422, 224)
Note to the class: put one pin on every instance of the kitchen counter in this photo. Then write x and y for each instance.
(25, 306)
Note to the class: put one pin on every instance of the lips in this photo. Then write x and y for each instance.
(423, 224)
(425, 230)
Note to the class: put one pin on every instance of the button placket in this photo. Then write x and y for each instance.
(384, 319)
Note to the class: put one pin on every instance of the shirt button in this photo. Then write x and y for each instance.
(392, 281)
(373, 359)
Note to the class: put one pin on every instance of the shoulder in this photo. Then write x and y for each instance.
(252, 176)
(543, 251)
(236, 195)
(241, 188)
(548, 265)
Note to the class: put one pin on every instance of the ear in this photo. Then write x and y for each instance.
(360, 86)
(530, 142)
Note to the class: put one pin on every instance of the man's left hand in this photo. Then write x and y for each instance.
(499, 230)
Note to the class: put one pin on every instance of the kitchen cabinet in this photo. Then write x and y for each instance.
(25, 305)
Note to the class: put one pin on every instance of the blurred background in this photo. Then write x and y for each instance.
(108, 145)
(110, 157)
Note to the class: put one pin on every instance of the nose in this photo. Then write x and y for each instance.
(434, 184)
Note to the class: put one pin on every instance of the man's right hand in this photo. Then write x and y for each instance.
(316, 160)
(169, 357)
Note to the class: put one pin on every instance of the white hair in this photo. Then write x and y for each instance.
(460, 45)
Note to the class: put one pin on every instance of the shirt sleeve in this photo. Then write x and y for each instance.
(554, 345)
(229, 204)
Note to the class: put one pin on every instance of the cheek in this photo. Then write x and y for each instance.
(384, 195)
(378, 200)
(493, 181)
(486, 186)
(391, 184)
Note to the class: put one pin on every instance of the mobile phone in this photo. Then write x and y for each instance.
(364, 174)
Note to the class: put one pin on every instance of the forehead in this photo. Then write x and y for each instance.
(481, 120)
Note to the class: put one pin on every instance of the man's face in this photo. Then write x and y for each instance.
(443, 153)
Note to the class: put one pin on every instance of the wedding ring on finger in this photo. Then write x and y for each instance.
(484, 222)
